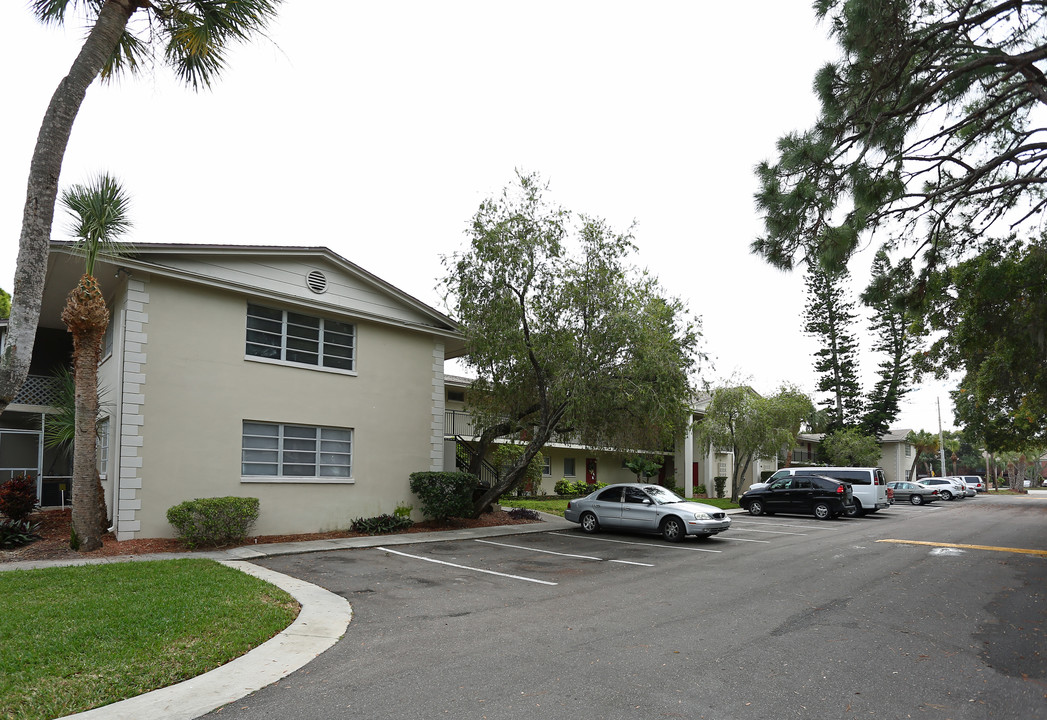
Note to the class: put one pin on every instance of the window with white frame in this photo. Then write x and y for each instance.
(302, 453)
(102, 443)
(568, 467)
(547, 465)
(291, 337)
(107, 341)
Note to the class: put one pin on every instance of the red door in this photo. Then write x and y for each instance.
(590, 471)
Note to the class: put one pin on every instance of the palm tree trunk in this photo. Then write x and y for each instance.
(86, 316)
(42, 190)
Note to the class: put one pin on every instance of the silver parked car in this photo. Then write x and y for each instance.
(646, 508)
(913, 492)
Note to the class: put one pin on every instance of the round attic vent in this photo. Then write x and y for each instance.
(316, 281)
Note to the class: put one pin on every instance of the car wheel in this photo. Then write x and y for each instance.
(673, 529)
(822, 511)
(755, 507)
(916, 499)
(589, 523)
(855, 510)
(946, 495)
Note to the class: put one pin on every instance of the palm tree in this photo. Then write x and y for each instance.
(100, 214)
(922, 442)
(192, 36)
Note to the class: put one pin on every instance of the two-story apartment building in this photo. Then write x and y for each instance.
(687, 465)
(284, 373)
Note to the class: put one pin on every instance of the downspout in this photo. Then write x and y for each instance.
(117, 423)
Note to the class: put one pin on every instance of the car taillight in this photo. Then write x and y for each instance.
(839, 489)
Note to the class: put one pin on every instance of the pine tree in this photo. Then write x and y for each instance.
(890, 325)
(829, 317)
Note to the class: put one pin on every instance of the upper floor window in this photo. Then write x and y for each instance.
(303, 339)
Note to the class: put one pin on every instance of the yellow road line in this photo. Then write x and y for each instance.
(1023, 551)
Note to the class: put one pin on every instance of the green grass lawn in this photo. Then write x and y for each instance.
(557, 506)
(74, 638)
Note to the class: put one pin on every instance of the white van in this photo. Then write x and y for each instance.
(869, 485)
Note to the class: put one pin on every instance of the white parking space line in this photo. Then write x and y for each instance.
(771, 532)
(626, 542)
(466, 567)
(759, 523)
(738, 539)
(551, 552)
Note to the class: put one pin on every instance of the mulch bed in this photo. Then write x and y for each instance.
(54, 531)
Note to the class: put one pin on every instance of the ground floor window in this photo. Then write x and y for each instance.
(273, 451)
(102, 443)
(568, 467)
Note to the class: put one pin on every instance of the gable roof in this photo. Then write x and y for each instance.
(305, 277)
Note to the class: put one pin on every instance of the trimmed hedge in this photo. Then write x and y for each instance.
(444, 494)
(214, 521)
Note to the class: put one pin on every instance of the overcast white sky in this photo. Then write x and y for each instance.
(376, 129)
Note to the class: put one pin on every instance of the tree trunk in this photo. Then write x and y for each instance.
(86, 317)
(42, 191)
(516, 473)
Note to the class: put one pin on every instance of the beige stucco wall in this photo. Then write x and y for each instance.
(894, 461)
(199, 388)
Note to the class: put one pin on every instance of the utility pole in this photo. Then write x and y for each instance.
(941, 438)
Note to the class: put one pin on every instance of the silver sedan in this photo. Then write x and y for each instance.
(646, 508)
(913, 492)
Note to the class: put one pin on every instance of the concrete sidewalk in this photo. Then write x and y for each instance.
(322, 621)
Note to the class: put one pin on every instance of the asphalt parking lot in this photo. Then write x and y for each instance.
(782, 616)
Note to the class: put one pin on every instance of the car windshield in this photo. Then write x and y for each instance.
(661, 495)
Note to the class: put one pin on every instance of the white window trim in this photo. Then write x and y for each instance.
(290, 363)
(297, 479)
(288, 480)
(303, 366)
(102, 438)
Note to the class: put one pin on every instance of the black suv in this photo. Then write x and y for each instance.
(824, 497)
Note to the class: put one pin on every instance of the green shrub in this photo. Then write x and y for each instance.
(721, 483)
(18, 497)
(403, 510)
(381, 524)
(444, 494)
(699, 490)
(16, 533)
(214, 521)
(563, 486)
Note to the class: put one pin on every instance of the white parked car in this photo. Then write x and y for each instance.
(948, 487)
(973, 481)
(968, 490)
